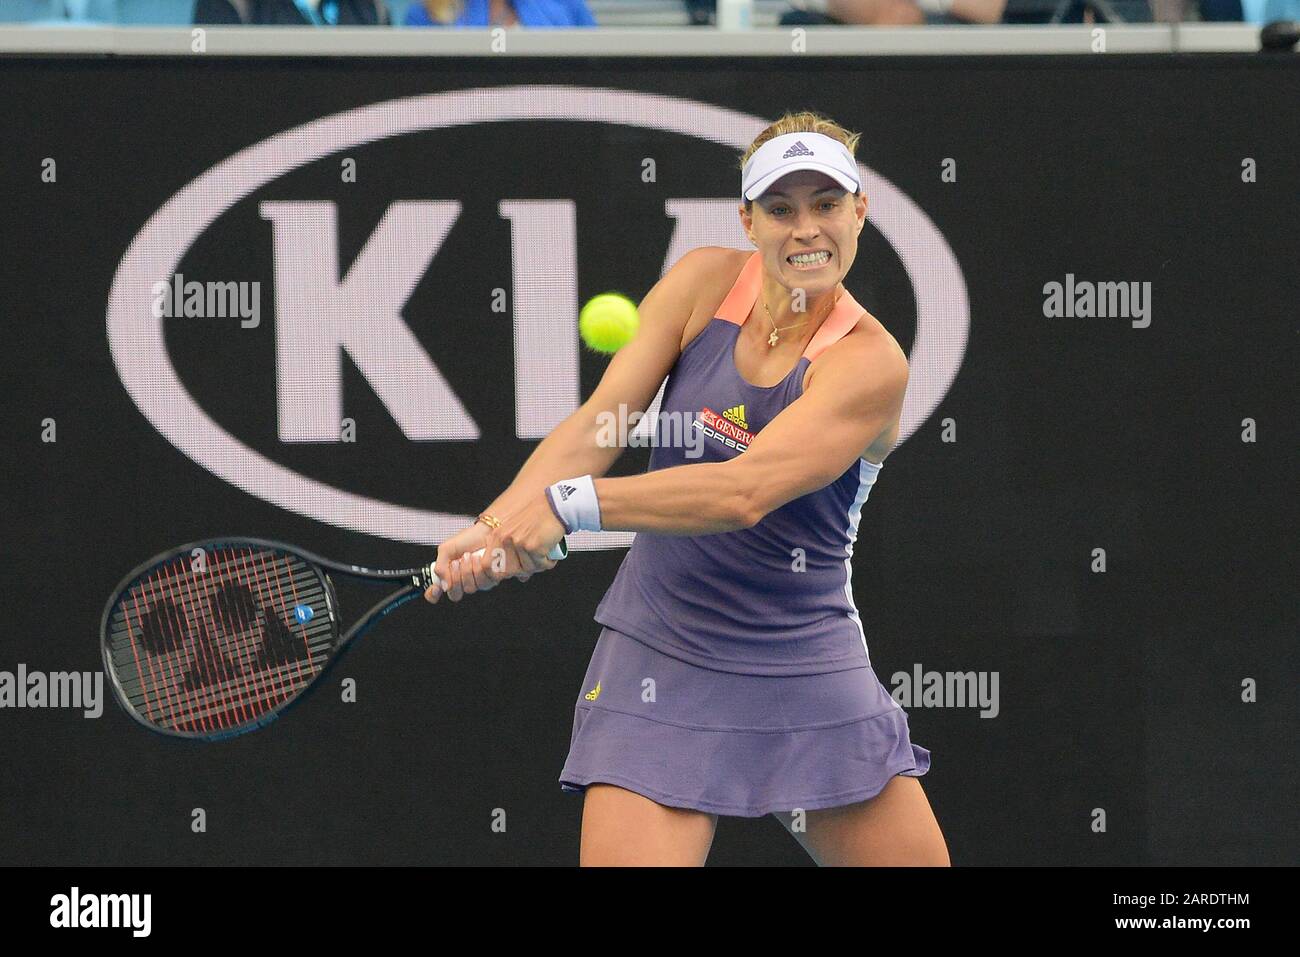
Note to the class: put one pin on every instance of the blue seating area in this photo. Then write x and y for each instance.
(124, 12)
(31, 11)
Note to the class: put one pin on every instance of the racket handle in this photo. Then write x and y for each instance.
(557, 552)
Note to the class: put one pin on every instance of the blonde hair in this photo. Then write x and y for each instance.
(444, 11)
(803, 121)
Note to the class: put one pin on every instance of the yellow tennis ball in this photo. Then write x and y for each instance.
(608, 322)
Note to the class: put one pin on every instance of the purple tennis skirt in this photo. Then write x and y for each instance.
(734, 744)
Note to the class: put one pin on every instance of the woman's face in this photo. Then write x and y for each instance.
(802, 212)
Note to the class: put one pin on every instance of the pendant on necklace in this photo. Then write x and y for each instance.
(771, 340)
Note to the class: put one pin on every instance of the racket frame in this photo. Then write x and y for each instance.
(417, 580)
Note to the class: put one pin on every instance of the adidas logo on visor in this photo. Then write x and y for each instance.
(797, 150)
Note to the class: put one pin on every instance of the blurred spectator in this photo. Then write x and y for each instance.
(906, 12)
(347, 13)
(482, 13)
(1220, 11)
(917, 12)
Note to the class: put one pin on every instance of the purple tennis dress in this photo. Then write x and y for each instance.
(732, 673)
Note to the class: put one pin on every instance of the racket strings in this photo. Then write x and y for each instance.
(222, 645)
(166, 635)
(252, 639)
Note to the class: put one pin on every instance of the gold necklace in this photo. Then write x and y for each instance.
(772, 339)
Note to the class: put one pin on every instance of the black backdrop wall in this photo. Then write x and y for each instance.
(1118, 691)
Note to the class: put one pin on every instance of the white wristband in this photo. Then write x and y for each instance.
(934, 6)
(574, 502)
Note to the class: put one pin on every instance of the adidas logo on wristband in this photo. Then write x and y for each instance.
(575, 505)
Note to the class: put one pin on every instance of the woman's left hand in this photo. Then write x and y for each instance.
(519, 547)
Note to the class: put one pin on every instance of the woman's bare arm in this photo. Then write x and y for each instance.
(855, 398)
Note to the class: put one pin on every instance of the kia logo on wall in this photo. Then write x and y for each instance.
(315, 312)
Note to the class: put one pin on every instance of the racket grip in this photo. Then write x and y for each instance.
(558, 551)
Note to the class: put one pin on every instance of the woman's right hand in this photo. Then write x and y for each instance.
(462, 576)
(464, 572)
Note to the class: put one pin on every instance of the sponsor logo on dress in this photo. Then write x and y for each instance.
(594, 693)
(737, 414)
(725, 430)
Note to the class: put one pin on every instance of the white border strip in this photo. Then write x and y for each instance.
(614, 41)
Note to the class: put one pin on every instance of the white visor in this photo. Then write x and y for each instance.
(795, 151)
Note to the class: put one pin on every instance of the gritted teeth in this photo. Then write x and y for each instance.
(809, 259)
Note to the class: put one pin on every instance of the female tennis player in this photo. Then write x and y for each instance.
(732, 676)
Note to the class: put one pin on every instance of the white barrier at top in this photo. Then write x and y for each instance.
(631, 41)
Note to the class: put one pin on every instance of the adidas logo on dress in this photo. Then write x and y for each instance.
(737, 414)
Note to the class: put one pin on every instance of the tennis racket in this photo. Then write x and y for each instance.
(217, 638)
